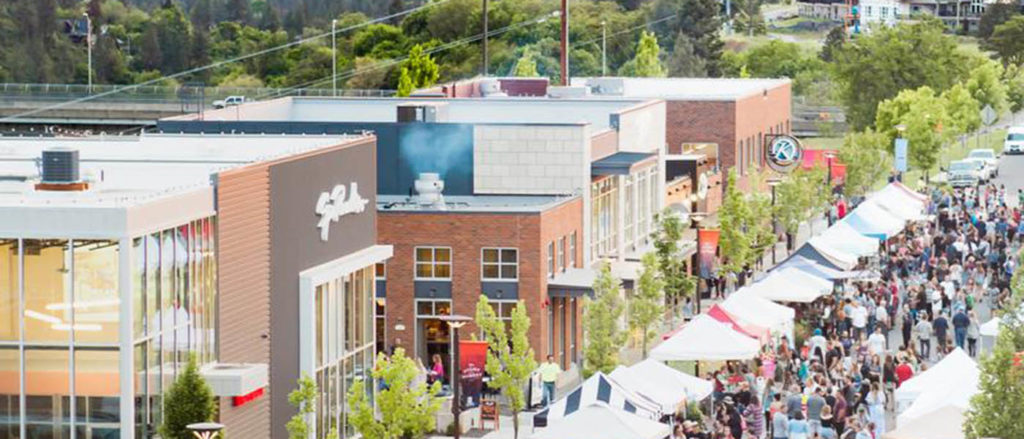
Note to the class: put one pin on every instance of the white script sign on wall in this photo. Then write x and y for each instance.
(334, 204)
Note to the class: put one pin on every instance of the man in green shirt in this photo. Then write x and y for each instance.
(549, 375)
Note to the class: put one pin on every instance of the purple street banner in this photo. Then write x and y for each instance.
(708, 245)
(472, 357)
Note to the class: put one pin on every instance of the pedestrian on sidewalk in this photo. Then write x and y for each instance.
(973, 333)
(549, 372)
(924, 335)
(960, 324)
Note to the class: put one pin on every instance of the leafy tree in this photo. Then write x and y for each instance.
(923, 114)
(526, 66)
(672, 265)
(421, 67)
(303, 398)
(646, 63)
(647, 306)
(405, 85)
(683, 62)
(995, 14)
(510, 359)
(109, 63)
(834, 40)
(601, 323)
(152, 57)
(406, 409)
(867, 159)
(189, 400)
(985, 84)
(1014, 79)
(734, 243)
(174, 34)
(237, 11)
(748, 18)
(877, 66)
(963, 110)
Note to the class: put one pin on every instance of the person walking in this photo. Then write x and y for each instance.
(924, 336)
(960, 324)
(780, 425)
(940, 327)
(973, 334)
(876, 408)
(549, 376)
(815, 405)
(907, 325)
(798, 427)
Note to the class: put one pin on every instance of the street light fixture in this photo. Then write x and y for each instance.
(88, 44)
(334, 58)
(604, 48)
(205, 430)
(456, 321)
(697, 217)
(774, 182)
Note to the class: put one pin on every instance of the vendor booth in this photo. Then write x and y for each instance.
(755, 309)
(942, 423)
(957, 366)
(673, 380)
(598, 388)
(600, 421)
(738, 324)
(705, 338)
(870, 220)
(790, 285)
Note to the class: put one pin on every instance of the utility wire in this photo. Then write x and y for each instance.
(220, 63)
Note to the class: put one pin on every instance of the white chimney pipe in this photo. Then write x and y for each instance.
(428, 189)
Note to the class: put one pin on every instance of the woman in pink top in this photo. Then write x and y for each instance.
(437, 369)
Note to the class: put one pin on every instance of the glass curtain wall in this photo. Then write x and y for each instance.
(604, 217)
(174, 299)
(345, 351)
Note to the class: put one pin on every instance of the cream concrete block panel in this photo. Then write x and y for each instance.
(535, 171)
(501, 171)
(509, 182)
(527, 158)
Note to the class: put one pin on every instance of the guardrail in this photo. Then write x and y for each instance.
(185, 94)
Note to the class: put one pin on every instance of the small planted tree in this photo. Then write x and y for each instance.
(304, 399)
(188, 401)
(647, 306)
(604, 334)
(407, 409)
(734, 241)
(671, 263)
(510, 359)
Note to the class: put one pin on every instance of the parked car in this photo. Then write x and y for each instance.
(990, 158)
(1014, 143)
(966, 173)
(230, 101)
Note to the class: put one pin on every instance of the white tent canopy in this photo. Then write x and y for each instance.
(871, 220)
(663, 384)
(845, 239)
(942, 423)
(599, 421)
(957, 366)
(704, 338)
(991, 327)
(956, 393)
(790, 285)
(836, 255)
(899, 202)
(759, 311)
(598, 388)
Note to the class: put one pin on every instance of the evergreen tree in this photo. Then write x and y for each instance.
(405, 85)
(526, 66)
(684, 62)
(510, 359)
(646, 63)
(995, 14)
(647, 306)
(200, 54)
(189, 400)
(406, 409)
(700, 20)
(109, 63)
(152, 57)
(602, 324)
(238, 11)
(422, 69)
(834, 40)
(174, 34)
(202, 14)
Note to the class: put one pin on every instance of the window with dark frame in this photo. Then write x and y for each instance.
(499, 264)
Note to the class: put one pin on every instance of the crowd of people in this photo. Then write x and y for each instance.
(837, 380)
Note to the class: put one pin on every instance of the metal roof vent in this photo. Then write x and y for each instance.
(60, 171)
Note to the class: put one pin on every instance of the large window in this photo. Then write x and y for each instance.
(551, 259)
(433, 263)
(572, 249)
(604, 218)
(561, 254)
(500, 264)
(345, 344)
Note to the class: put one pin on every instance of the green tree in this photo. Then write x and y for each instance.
(924, 115)
(601, 317)
(867, 159)
(510, 359)
(406, 409)
(174, 35)
(109, 63)
(526, 66)
(683, 62)
(304, 399)
(1014, 79)
(405, 85)
(422, 69)
(700, 20)
(834, 41)
(877, 66)
(667, 235)
(647, 305)
(985, 84)
(733, 217)
(994, 15)
(963, 110)
(237, 11)
(189, 400)
(1007, 41)
(646, 63)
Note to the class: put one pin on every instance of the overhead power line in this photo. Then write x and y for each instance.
(220, 63)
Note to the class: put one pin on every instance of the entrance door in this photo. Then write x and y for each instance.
(432, 334)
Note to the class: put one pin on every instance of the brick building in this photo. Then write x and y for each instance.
(566, 182)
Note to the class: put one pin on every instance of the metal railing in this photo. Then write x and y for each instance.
(164, 94)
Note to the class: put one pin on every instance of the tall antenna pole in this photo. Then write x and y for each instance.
(565, 42)
(88, 45)
(334, 58)
(486, 60)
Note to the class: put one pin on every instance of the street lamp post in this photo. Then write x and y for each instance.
(773, 183)
(697, 217)
(486, 56)
(334, 58)
(88, 44)
(455, 322)
(604, 48)
(828, 158)
(205, 430)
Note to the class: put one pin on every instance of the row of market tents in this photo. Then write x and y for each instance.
(634, 401)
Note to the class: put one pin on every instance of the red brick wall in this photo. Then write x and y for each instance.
(466, 234)
(555, 224)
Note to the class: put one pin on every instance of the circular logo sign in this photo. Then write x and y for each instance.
(784, 153)
(702, 186)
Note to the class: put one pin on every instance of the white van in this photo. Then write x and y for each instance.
(1014, 141)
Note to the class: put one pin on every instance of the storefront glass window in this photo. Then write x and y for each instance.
(10, 413)
(96, 305)
(97, 393)
(10, 302)
(47, 405)
(47, 291)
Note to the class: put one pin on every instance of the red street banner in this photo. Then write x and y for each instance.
(707, 240)
(472, 357)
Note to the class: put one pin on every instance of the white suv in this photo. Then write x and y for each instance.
(990, 158)
(229, 102)
(1014, 141)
